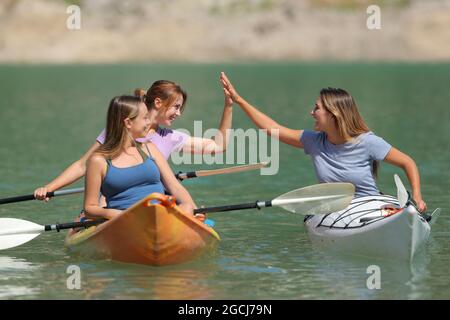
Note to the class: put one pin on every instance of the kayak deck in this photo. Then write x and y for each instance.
(372, 226)
(151, 234)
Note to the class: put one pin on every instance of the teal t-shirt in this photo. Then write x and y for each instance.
(347, 162)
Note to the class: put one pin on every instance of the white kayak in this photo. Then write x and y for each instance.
(375, 226)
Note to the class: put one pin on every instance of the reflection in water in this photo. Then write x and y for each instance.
(15, 264)
(128, 281)
(150, 284)
(17, 271)
(183, 284)
(347, 277)
(8, 292)
(265, 266)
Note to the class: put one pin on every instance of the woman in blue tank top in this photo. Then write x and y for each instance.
(124, 170)
(342, 147)
(165, 101)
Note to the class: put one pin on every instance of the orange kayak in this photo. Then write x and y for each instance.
(153, 231)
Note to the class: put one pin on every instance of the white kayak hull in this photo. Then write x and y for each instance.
(397, 236)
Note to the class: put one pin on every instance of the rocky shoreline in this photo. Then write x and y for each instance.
(208, 31)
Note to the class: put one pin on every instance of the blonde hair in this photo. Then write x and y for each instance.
(165, 90)
(347, 118)
(120, 108)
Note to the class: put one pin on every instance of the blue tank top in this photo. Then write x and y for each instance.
(123, 187)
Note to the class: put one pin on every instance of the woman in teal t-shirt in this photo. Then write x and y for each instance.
(342, 147)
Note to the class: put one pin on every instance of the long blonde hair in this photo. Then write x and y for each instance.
(120, 108)
(347, 118)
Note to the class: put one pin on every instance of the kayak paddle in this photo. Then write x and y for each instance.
(316, 199)
(404, 198)
(49, 194)
(402, 194)
(180, 176)
(204, 173)
(14, 232)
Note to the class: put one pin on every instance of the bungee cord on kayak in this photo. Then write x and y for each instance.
(354, 212)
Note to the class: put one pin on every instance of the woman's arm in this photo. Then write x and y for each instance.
(220, 141)
(402, 160)
(261, 120)
(95, 172)
(170, 182)
(71, 174)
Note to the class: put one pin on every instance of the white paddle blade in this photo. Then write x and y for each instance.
(317, 199)
(402, 194)
(435, 215)
(11, 241)
(14, 232)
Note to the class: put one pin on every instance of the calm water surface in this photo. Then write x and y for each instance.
(51, 114)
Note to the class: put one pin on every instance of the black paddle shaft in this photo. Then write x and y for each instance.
(185, 175)
(252, 205)
(23, 198)
(89, 223)
(70, 225)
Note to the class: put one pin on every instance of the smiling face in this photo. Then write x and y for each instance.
(169, 114)
(138, 126)
(324, 119)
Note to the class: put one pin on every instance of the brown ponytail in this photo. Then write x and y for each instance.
(140, 93)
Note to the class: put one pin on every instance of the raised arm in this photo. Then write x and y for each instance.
(71, 174)
(95, 172)
(170, 182)
(261, 120)
(402, 160)
(220, 141)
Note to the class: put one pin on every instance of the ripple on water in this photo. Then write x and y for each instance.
(14, 278)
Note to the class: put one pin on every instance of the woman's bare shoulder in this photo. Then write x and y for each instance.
(96, 160)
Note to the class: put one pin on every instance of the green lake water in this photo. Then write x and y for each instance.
(49, 116)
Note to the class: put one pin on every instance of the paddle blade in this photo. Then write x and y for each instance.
(435, 215)
(317, 199)
(402, 194)
(14, 232)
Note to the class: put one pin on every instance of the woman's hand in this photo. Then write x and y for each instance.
(187, 208)
(228, 88)
(228, 99)
(402, 160)
(421, 205)
(41, 194)
(201, 216)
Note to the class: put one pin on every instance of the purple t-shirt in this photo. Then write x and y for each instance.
(166, 140)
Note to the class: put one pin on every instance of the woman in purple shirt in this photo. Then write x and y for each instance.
(165, 101)
(342, 147)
